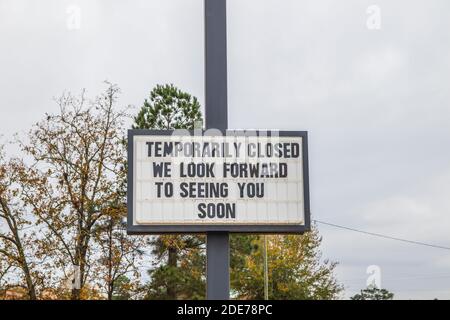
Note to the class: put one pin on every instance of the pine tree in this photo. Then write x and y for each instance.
(178, 270)
(373, 293)
(168, 108)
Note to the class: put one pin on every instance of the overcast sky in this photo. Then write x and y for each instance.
(375, 102)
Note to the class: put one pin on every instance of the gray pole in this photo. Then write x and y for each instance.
(216, 95)
(216, 114)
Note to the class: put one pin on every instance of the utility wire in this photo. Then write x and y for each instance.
(383, 236)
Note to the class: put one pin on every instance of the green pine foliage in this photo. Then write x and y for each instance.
(168, 108)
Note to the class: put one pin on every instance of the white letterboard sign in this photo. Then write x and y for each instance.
(249, 182)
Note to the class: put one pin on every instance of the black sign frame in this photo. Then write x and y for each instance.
(155, 229)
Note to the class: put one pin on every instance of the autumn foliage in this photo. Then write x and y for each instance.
(63, 209)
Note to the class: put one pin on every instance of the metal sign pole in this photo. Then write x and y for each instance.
(216, 112)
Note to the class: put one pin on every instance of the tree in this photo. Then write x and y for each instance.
(170, 108)
(296, 270)
(75, 183)
(123, 288)
(184, 279)
(16, 244)
(373, 293)
(118, 256)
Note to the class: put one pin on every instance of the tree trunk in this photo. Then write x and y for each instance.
(172, 263)
(17, 241)
(24, 264)
(76, 292)
(80, 260)
(29, 281)
(110, 263)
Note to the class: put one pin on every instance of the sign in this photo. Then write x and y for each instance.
(240, 181)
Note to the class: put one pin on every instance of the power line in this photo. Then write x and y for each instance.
(383, 236)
